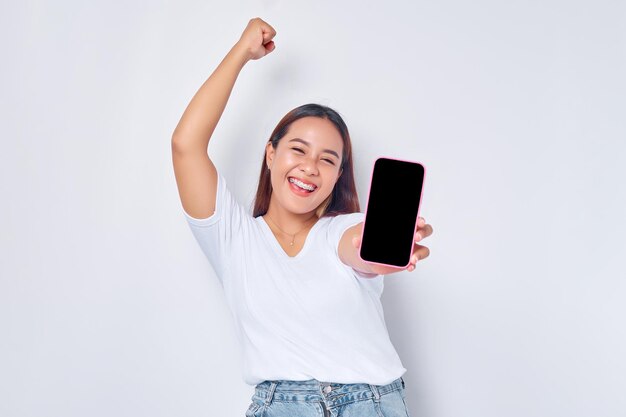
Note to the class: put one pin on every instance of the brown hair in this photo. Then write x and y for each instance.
(344, 198)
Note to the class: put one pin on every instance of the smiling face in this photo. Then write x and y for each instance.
(308, 156)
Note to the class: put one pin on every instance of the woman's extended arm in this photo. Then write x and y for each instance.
(196, 175)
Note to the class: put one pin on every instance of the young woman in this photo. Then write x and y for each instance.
(307, 310)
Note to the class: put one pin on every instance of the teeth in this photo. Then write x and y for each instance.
(301, 184)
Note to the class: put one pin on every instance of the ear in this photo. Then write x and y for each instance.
(269, 154)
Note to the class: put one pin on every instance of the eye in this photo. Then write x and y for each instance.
(325, 159)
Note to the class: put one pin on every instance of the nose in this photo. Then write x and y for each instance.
(309, 166)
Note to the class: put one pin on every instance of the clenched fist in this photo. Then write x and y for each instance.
(256, 39)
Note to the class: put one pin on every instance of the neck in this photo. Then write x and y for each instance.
(287, 221)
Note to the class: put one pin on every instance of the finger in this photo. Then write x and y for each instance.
(356, 241)
(422, 252)
(267, 36)
(420, 224)
(425, 231)
(268, 32)
(270, 28)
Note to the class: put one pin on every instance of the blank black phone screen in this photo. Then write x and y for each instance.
(392, 210)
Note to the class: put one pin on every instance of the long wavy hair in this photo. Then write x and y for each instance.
(344, 198)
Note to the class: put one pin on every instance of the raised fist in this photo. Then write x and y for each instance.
(256, 38)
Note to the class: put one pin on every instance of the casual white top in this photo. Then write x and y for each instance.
(297, 318)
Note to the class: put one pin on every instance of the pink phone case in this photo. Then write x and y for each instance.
(416, 218)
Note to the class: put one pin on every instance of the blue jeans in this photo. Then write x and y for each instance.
(314, 398)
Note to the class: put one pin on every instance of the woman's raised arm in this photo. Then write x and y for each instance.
(196, 175)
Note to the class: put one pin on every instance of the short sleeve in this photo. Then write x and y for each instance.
(216, 233)
(336, 228)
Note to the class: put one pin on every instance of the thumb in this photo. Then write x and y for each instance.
(356, 241)
(269, 47)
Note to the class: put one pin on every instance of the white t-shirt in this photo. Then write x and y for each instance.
(297, 318)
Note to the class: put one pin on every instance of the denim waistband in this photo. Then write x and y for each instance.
(312, 390)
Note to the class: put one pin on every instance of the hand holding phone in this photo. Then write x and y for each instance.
(392, 212)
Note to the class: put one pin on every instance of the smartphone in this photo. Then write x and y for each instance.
(392, 211)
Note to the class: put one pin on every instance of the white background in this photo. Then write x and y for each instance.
(109, 308)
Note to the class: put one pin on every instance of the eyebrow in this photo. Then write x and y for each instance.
(330, 151)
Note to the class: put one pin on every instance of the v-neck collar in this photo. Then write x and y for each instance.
(276, 245)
